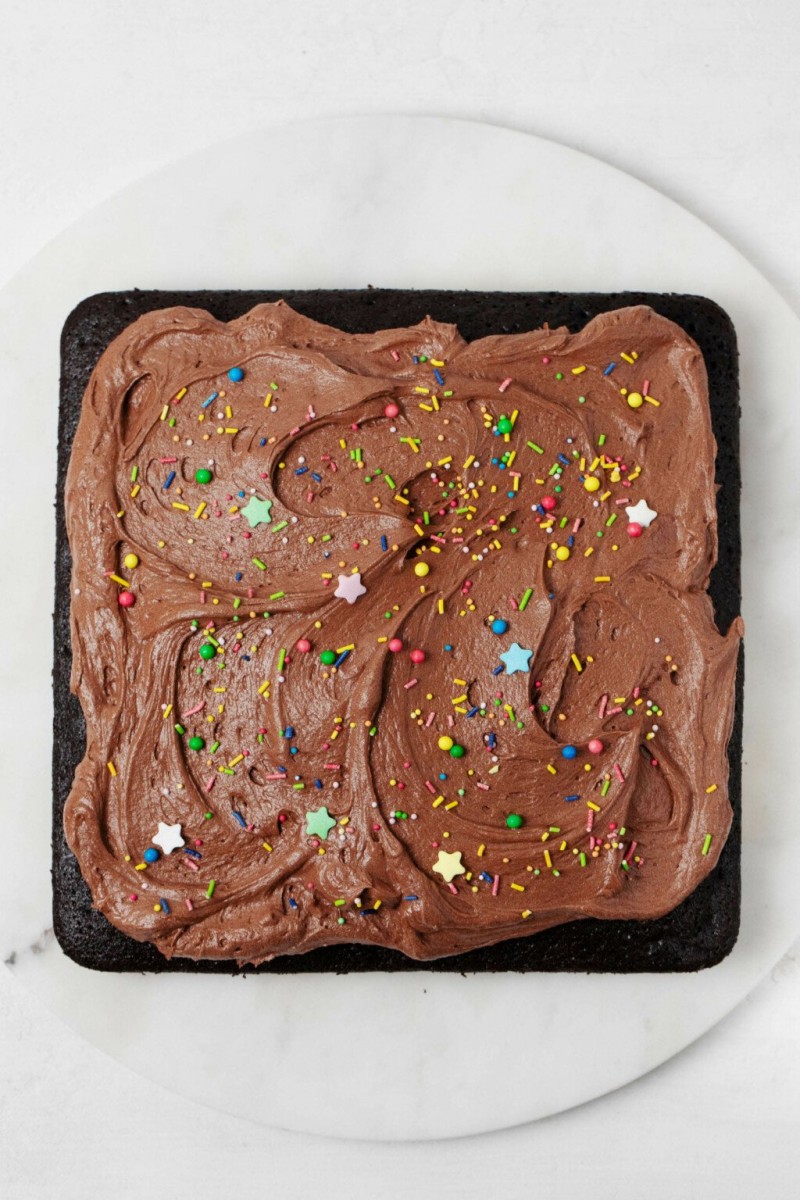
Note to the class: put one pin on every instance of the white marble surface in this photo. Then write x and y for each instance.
(720, 1119)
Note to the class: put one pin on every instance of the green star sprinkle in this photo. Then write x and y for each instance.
(319, 823)
(257, 511)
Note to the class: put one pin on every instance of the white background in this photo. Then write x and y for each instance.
(698, 99)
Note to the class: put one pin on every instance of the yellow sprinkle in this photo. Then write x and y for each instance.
(436, 362)
(137, 487)
(711, 788)
(602, 579)
(578, 370)
(423, 391)
(425, 407)
(481, 849)
(140, 867)
(401, 499)
(526, 912)
(458, 699)
(199, 510)
(605, 495)
(228, 411)
(589, 550)
(342, 444)
(440, 605)
(594, 465)
(181, 393)
(263, 687)
(236, 760)
(207, 584)
(182, 507)
(267, 846)
(511, 458)
(460, 682)
(444, 461)
(627, 357)
(112, 769)
(377, 905)
(651, 400)
(435, 403)
(517, 887)
(552, 769)
(469, 461)
(576, 662)
(547, 858)
(117, 579)
(594, 807)
(452, 804)
(231, 430)
(439, 800)
(563, 846)
(164, 412)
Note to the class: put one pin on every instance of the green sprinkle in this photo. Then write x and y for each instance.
(373, 731)
(214, 748)
(581, 399)
(611, 519)
(605, 787)
(526, 595)
(556, 873)
(624, 865)
(582, 859)
(326, 537)
(261, 565)
(210, 889)
(601, 441)
(273, 387)
(277, 528)
(209, 816)
(171, 422)
(134, 473)
(299, 787)
(179, 729)
(390, 481)
(448, 393)
(339, 903)
(227, 770)
(545, 708)
(277, 595)
(426, 518)
(563, 520)
(706, 844)
(533, 446)
(459, 511)
(559, 374)
(341, 921)
(281, 657)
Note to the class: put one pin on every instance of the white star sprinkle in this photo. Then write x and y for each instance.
(641, 514)
(350, 588)
(168, 837)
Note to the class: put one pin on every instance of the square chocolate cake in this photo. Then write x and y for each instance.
(397, 630)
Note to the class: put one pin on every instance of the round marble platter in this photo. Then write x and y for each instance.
(394, 202)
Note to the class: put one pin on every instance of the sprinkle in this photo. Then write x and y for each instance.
(618, 772)
(526, 595)
(576, 663)
(591, 804)
(111, 768)
(210, 889)
(505, 384)
(168, 481)
(706, 844)
(711, 788)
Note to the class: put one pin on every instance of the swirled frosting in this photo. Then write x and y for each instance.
(392, 638)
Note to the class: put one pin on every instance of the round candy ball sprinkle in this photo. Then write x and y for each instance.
(445, 743)
(150, 855)
(417, 656)
(421, 569)
(562, 553)
(504, 425)
(126, 599)
(328, 657)
(514, 821)
(634, 529)
(207, 651)
(548, 503)
(131, 561)
(203, 475)
(457, 751)
(499, 625)
(595, 746)
(196, 743)
(303, 645)
(591, 483)
(392, 410)
(236, 374)
(395, 645)
(569, 752)
(635, 399)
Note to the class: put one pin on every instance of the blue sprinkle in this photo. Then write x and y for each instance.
(495, 461)
(384, 543)
(571, 798)
(497, 670)
(609, 368)
(301, 470)
(438, 376)
(411, 897)
(168, 481)
(241, 495)
(293, 750)
(236, 374)
(569, 752)
(210, 399)
(164, 906)
(499, 625)
(150, 855)
(317, 783)
(192, 853)
(570, 541)
(486, 876)
(473, 711)
(540, 510)
(244, 657)
(238, 577)
(442, 776)
(263, 442)
(292, 903)
(345, 654)
(238, 816)
(510, 495)
(415, 358)
(448, 647)
(318, 478)
(563, 459)
(492, 741)
(289, 731)
(501, 466)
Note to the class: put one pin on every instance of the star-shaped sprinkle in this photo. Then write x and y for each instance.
(257, 511)
(168, 837)
(449, 865)
(640, 514)
(517, 659)
(350, 587)
(319, 823)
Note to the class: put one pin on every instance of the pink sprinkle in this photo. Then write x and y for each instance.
(603, 703)
(513, 603)
(411, 683)
(450, 720)
(434, 537)
(295, 430)
(545, 360)
(483, 786)
(210, 783)
(197, 708)
(624, 500)
(496, 885)
(191, 864)
(309, 497)
(395, 355)
(453, 888)
(505, 384)
(618, 772)
(430, 787)
(430, 719)
(631, 849)
(591, 842)
(636, 693)
(202, 597)
(133, 896)
(169, 460)
(332, 766)
(576, 524)
(613, 711)
(189, 905)
(589, 821)
(646, 387)
(278, 775)
(406, 765)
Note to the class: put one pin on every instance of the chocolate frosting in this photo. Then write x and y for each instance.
(569, 646)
